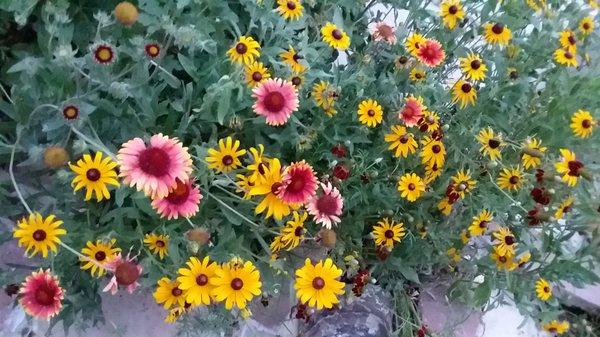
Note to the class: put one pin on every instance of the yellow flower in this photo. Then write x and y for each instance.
(451, 11)
(386, 232)
(433, 152)
(473, 67)
(532, 153)
(324, 95)
(491, 144)
(582, 123)
(543, 289)
(430, 122)
(497, 33)
(94, 175)
(168, 293)
(236, 284)
(533, 4)
(586, 25)
(256, 73)
(505, 241)
(465, 236)
(292, 59)
(463, 183)
(413, 42)
(556, 327)
(39, 234)
(101, 252)
(259, 163)
(480, 223)
(503, 262)
(465, 93)
(336, 37)
(565, 57)
(244, 51)
(290, 9)
(417, 75)
(403, 142)
(445, 206)
(564, 207)
(268, 186)
(569, 167)
(317, 285)
(524, 258)
(226, 158)
(411, 186)
(568, 41)
(174, 314)
(276, 245)
(195, 280)
(244, 184)
(432, 172)
(293, 232)
(158, 244)
(453, 254)
(511, 178)
(297, 80)
(370, 113)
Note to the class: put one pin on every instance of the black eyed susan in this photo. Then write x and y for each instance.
(276, 246)
(556, 327)
(533, 151)
(386, 232)
(244, 51)
(568, 41)
(564, 208)
(543, 289)
(497, 33)
(503, 262)
(411, 186)
(511, 178)
(256, 73)
(582, 123)
(413, 42)
(433, 152)
(417, 75)
(195, 280)
(512, 73)
(445, 206)
(244, 184)
(236, 283)
(335, 37)
(38, 233)
(569, 167)
(317, 285)
(473, 67)
(168, 293)
(370, 113)
(451, 12)
(430, 121)
(226, 158)
(401, 141)
(297, 80)
(480, 223)
(586, 25)
(259, 162)
(505, 241)
(293, 233)
(491, 143)
(292, 59)
(99, 251)
(324, 95)
(290, 9)
(432, 172)
(94, 174)
(465, 237)
(464, 92)
(158, 244)
(463, 182)
(565, 57)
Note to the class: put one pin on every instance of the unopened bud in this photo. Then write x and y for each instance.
(491, 164)
(533, 152)
(198, 235)
(328, 237)
(55, 157)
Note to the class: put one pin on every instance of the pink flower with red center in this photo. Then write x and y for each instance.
(154, 168)
(381, 31)
(41, 295)
(431, 53)
(326, 208)
(126, 273)
(413, 111)
(299, 184)
(183, 201)
(276, 100)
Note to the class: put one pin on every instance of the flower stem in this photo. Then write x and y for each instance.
(81, 256)
(12, 175)
(92, 142)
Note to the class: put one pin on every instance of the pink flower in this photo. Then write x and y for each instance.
(431, 53)
(154, 168)
(125, 273)
(299, 184)
(41, 295)
(412, 111)
(326, 208)
(276, 99)
(183, 201)
(381, 31)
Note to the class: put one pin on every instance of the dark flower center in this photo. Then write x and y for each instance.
(318, 283)
(509, 240)
(327, 204)
(466, 87)
(39, 235)
(483, 224)
(493, 143)
(436, 148)
(291, 5)
(514, 74)
(104, 54)
(127, 273)
(296, 80)
(70, 112)
(92, 174)
(337, 34)
(371, 113)
(514, 180)
(297, 184)
(586, 123)
(546, 289)
(256, 76)
(502, 259)
(227, 160)
(299, 231)
(179, 194)
(498, 28)
(402, 59)
(586, 26)
(44, 295)
(475, 64)
(237, 283)
(453, 9)
(389, 233)
(201, 280)
(160, 243)
(568, 55)
(572, 40)
(152, 50)
(274, 101)
(176, 292)
(241, 48)
(100, 256)
(275, 188)
(411, 186)
(575, 167)
(418, 76)
(154, 161)
(404, 139)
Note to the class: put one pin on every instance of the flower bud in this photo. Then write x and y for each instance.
(55, 157)
(126, 13)
(491, 164)
(198, 235)
(328, 237)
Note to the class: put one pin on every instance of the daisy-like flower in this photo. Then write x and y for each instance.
(293, 233)
(511, 178)
(565, 57)
(276, 245)
(413, 110)
(417, 75)
(269, 185)
(480, 223)
(152, 50)
(503, 262)
(402, 62)
(582, 123)
(411, 186)
(381, 31)
(445, 206)
(174, 314)
(299, 183)
(433, 152)
(297, 80)
(569, 167)
(41, 295)
(103, 53)
(564, 207)
(244, 51)
(454, 255)
(430, 122)
(290, 9)
(586, 25)
(126, 273)
(401, 141)
(70, 112)
(370, 113)
(244, 184)
(465, 237)
(318, 285)
(324, 95)
(256, 73)
(473, 67)
(431, 53)
(101, 252)
(524, 259)
(292, 59)
(168, 293)
(451, 11)
(568, 40)
(532, 153)
(463, 183)
(183, 200)
(491, 144)
(94, 175)
(543, 289)
(505, 241)
(326, 208)
(227, 157)
(39, 234)
(413, 43)
(158, 244)
(276, 100)
(194, 280)
(513, 74)
(335, 37)
(464, 92)
(386, 232)
(154, 168)
(432, 172)
(236, 284)
(497, 33)
(555, 327)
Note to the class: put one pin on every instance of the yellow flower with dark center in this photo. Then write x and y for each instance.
(226, 158)
(432, 172)
(259, 163)
(276, 246)
(465, 236)
(505, 241)
(293, 232)
(292, 59)
(480, 223)
(512, 73)
(386, 232)
(564, 207)
(497, 33)
(582, 123)
(297, 80)
(543, 289)
(411, 186)
(168, 293)
(195, 280)
(401, 141)
(290, 9)
(433, 152)
(413, 42)
(524, 259)
(317, 285)
(473, 67)
(324, 95)
(94, 175)
(491, 144)
(451, 11)
(39, 234)
(244, 184)
(586, 25)
(503, 262)
(102, 252)
(568, 41)
(565, 57)
(256, 73)
(430, 122)
(569, 167)
(370, 113)
(174, 314)
(417, 75)
(445, 206)
(555, 327)
(269, 186)
(464, 92)
(532, 153)
(244, 51)
(236, 284)
(511, 178)
(335, 37)
(158, 244)
(463, 183)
